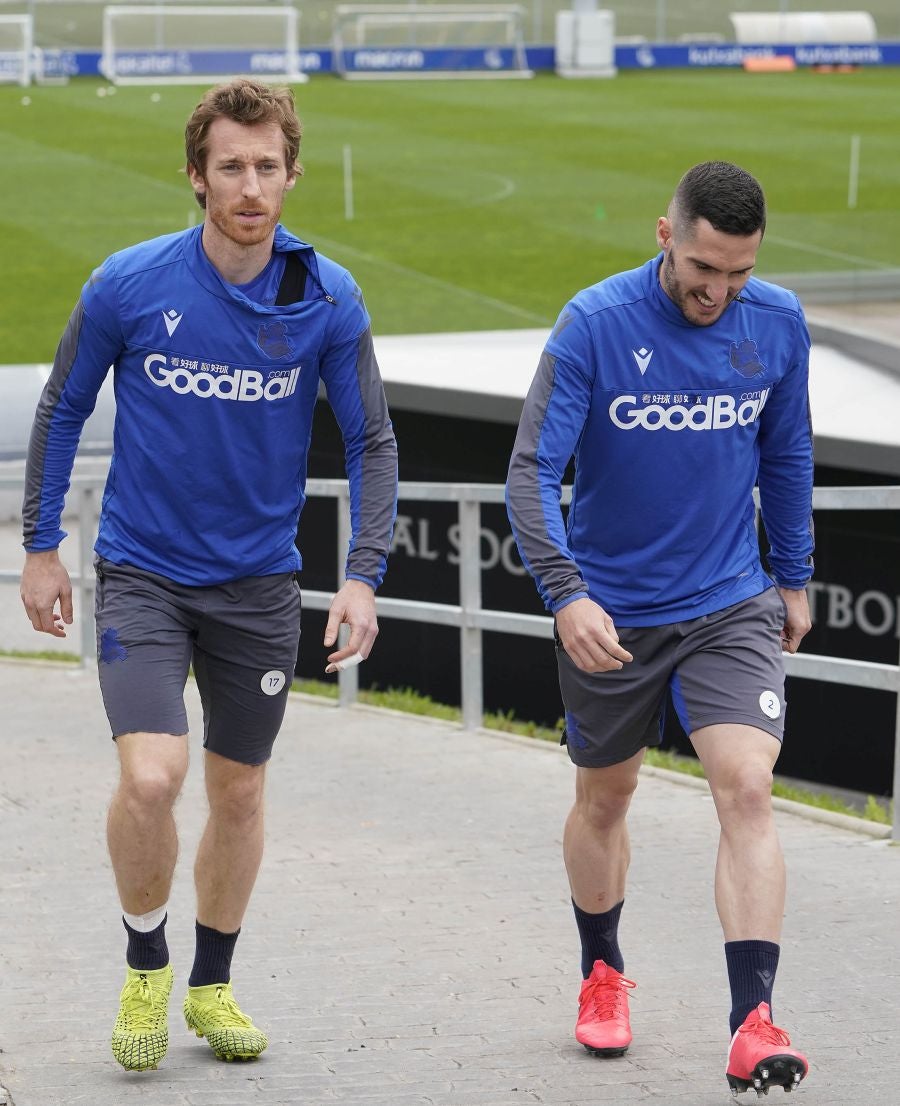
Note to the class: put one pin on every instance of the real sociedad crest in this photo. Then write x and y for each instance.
(745, 358)
(272, 339)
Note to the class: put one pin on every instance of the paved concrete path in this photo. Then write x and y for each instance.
(410, 942)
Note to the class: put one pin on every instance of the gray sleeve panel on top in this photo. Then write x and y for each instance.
(786, 470)
(533, 486)
(35, 503)
(376, 501)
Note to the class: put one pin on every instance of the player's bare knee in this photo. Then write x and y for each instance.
(149, 787)
(746, 798)
(239, 799)
(604, 809)
(608, 789)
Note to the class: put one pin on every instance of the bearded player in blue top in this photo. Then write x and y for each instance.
(677, 387)
(218, 338)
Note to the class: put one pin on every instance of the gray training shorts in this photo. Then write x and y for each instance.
(241, 637)
(725, 667)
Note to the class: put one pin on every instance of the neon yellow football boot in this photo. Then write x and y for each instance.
(212, 1013)
(141, 1033)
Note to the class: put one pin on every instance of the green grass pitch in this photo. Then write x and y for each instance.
(477, 205)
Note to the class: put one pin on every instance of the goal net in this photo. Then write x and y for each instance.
(16, 49)
(429, 40)
(173, 44)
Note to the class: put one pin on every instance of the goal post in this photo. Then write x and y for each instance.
(429, 40)
(199, 44)
(16, 49)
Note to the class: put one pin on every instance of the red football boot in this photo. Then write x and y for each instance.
(761, 1056)
(602, 1025)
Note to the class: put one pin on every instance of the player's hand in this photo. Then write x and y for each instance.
(798, 622)
(44, 583)
(354, 605)
(589, 636)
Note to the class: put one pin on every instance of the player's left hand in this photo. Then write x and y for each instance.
(354, 605)
(798, 622)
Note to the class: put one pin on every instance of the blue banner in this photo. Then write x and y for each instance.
(721, 55)
(148, 64)
(411, 59)
(69, 63)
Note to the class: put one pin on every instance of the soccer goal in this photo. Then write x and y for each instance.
(16, 49)
(429, 40)
(174, 44)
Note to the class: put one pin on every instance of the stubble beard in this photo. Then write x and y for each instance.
(683, 300)
(227, 223)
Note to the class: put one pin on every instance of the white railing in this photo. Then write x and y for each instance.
(468, 615)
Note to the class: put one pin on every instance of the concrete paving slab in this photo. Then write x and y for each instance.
(410, 941)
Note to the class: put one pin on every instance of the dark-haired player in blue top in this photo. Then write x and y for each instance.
(677, 388)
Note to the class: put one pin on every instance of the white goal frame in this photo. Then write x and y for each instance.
(286, 54)
(411, 16)
(22, 74)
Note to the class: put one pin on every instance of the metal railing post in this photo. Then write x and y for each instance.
(87, 526)
(470, 602)
(348, 679)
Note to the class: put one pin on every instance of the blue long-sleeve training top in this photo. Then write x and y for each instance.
(215, 395)
(671, 425)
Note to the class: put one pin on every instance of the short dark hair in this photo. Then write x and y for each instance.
(727, 196)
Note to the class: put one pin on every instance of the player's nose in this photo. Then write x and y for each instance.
(251, 183)
(716, 289)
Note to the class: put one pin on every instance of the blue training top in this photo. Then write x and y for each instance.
(214, 404)
(671, 425)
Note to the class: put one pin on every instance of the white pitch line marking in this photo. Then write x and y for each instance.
(828, 253)
(506, 189)
(436, 282)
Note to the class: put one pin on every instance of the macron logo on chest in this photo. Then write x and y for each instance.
(642, 358)
(171, 318)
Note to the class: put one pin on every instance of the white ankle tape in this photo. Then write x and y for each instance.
(144, 923)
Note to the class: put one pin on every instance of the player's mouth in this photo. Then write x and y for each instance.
(707, 306)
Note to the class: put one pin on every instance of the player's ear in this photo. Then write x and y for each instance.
(663, 232)
(295, 171)
(198, 183)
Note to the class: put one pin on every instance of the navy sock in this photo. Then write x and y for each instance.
(212, 957)
(599, 938)
(751, 976)
(147, 952)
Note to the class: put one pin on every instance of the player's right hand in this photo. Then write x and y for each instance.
(589, 636)
(44, 583)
